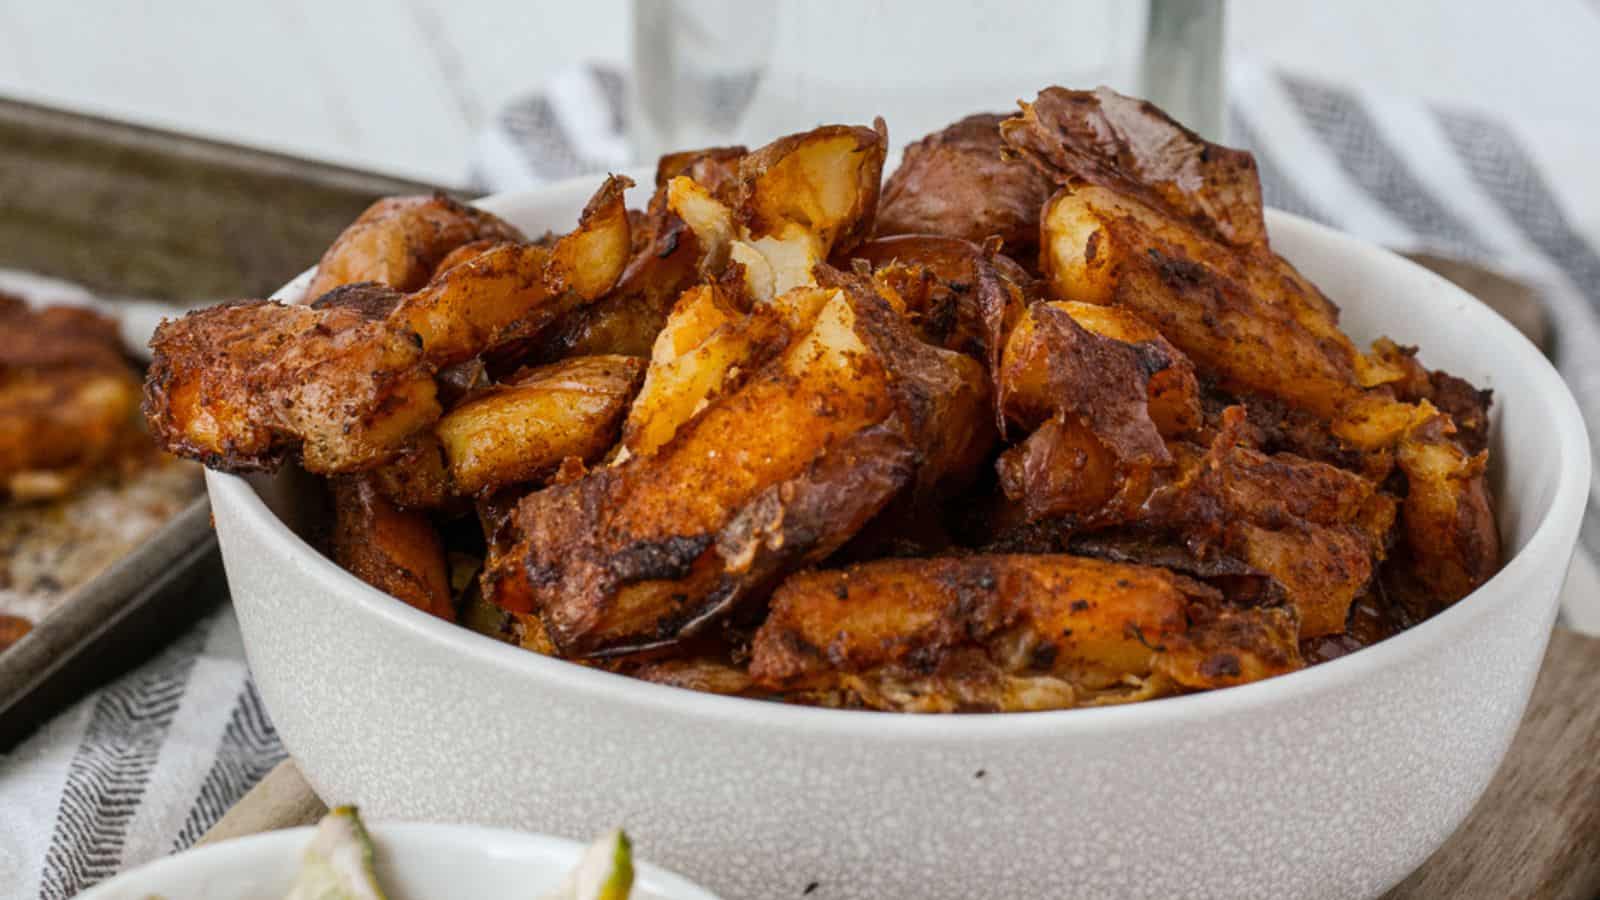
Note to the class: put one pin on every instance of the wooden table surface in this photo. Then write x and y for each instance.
(1535, 834)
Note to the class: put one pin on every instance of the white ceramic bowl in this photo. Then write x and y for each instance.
(1334, 781)
(414, 862)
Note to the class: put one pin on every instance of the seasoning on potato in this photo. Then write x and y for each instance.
(1043, 423)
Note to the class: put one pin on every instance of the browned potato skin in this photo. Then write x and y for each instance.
(513, 290)
(523, 428)
(417, 478)
(1320, 531)
(961, 296)
(241, 386)
(715, 168)
(1112, 371)
(959, 183)
(1103, 138)
(711, 676)
(393, 550)
(1000, 633)
(399, 241)
(1447, 515)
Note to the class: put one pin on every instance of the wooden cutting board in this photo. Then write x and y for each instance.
(1535, 833)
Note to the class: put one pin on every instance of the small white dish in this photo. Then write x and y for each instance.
(414, 862)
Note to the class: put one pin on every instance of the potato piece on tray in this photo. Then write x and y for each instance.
(68, 398)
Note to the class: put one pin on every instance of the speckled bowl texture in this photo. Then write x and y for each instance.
(1336, 781)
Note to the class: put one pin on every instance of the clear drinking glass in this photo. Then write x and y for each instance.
(711, 72)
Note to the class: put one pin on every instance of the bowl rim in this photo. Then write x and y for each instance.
(491, 841)
(1558, 525)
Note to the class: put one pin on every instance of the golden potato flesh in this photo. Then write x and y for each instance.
(825, 180)
(704, 349)
(709, 219)
(520, 430)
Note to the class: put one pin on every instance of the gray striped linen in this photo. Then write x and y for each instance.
(147, 764)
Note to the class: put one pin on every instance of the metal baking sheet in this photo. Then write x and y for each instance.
(129, 211)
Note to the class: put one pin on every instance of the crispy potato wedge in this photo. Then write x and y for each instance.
(1447, 515)
(1154, 219)
(240, 387)
(1242, 313)
(396, 551)
(522, 429)
(463, 253)
(771, 477)
(960, 183)
(399, 241)
(1105, 366)
(1001, 633)
(514, 290)
(1320, 531)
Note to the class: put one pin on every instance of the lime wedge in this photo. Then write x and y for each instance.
(604, 873)
(338, 863)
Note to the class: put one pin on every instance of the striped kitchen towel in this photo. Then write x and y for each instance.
(145, 766)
